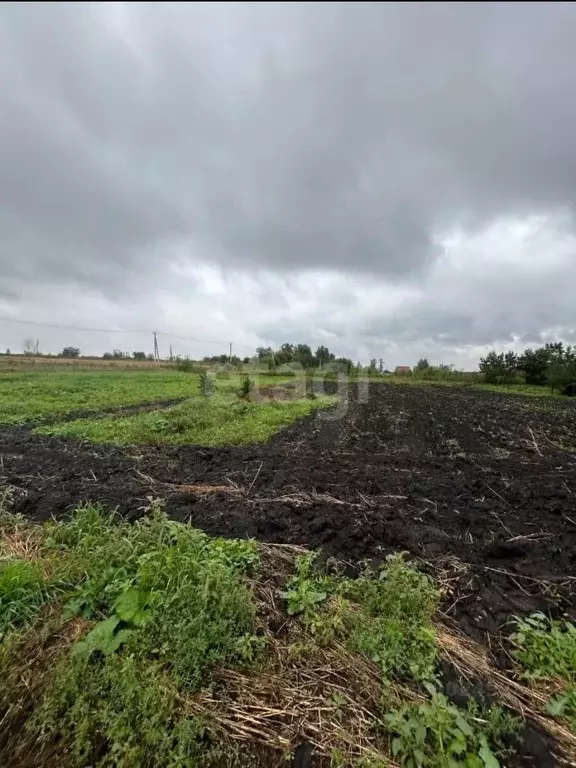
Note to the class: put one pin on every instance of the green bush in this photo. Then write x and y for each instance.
(206, 384)
(246, 387)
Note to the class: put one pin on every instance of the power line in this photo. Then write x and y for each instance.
(117, 330)
(190, 338)
(69, 327)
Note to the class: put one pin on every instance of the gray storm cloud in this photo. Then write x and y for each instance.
(282, 137)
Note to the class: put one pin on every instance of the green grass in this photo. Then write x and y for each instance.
(23, 591)
(30, 396)
(26, 397)
(528, 390)
(142, 627)
(220, 420)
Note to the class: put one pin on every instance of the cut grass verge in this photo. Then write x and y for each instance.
(153, 644)
(223, 419)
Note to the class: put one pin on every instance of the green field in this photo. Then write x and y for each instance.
(26, 397)
(222, 419)
(528, 390)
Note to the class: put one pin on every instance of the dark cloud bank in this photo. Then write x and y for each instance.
(294, 139)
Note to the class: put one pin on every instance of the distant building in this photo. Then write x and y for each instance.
(402, 369)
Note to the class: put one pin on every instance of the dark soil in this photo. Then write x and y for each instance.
(479, 485)
(114, 410)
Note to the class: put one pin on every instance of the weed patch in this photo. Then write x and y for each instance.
(438, 734)
(222, 419)
(386, 616)
(546, 651)
(157, 645)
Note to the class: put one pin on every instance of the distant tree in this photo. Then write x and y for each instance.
(422, 364)
(285, 354)
(303, 355)
(560, 373)
(323, 356)
(116, 354)
(533, 363)
(343, 364)
(372, 367)
(28, 346)
(561, 370)
(8, 351)
(139, 355)
(149, 356)
(380, 365)
(492, 366)
(70, 352)
(499, 368)
(222, 359)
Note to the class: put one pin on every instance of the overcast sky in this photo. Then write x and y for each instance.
(390, 180)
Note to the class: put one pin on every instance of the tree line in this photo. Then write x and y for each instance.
(291, 354)
(553, 364)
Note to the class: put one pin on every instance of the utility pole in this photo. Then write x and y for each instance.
(230, 354)
(156, 352)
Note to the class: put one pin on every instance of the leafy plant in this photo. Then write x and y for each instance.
(109, 634)
(437, 734)
(564, 705)
(182, 590)
(545, 648)
(304, 590)
(394, 628)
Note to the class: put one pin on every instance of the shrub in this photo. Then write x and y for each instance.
(156, 585)
(394, 628)
(206, 384)
(246, 387)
